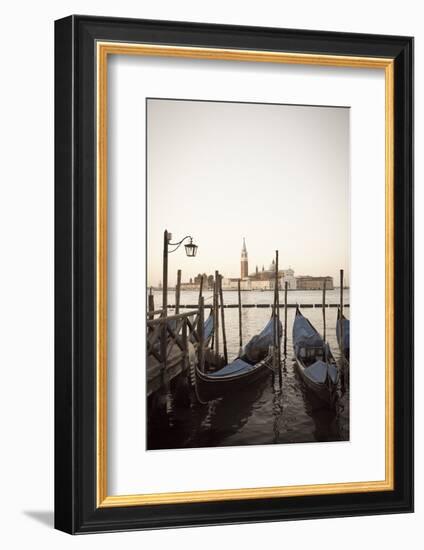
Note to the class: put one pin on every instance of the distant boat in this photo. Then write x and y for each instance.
(314, 360)
(343, 323)
(252, 364)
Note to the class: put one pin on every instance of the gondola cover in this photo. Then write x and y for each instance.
(258, 347)
(346, 332)
(304, 335)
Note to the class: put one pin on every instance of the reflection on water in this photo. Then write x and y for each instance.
(278, 409)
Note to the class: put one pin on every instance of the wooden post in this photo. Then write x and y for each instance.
(200, 297)
(224, 337)
(277, 304)
(216, 320)
(178, 293)
(341, 313)
(239, 311)
(324, 331)
(212, 312)
(286, 284)
(201, 287)
(341, 333)
(201, 333)
(274, 324)
(151, 304)
(163, 343)
(185, 348)
(165, 274)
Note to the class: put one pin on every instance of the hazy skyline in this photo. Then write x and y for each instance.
(277, 175)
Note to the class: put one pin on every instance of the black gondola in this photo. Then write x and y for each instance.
(343, 323)
(314, 360)
(250, 366)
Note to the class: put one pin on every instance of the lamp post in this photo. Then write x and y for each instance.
(191, 251)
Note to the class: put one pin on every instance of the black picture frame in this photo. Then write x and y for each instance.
(76, 508)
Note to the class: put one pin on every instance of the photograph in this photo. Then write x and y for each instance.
(248, 273)
(228, 199)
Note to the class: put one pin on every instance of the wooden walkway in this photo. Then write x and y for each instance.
(171, 344)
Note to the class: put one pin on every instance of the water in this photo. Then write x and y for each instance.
(277, 410)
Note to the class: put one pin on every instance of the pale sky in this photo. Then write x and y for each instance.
(277, 175)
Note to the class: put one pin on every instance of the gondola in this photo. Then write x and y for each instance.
(251, 365)
(314, 360)
(343, 323)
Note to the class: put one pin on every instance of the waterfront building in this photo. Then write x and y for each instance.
(190, 286)
(306, 282)
(229, 283)
(259, 280)
(194, 284)
(265, 279)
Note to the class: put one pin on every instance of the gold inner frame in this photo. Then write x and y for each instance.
(104, 49)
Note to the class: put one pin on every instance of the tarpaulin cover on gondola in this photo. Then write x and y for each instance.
(304, 335)
(235, 367)
(258, 346)
(346, 332)
(319, 371)
(208, 327)
(207, 330)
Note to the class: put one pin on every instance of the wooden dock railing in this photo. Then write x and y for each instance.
(166, 360)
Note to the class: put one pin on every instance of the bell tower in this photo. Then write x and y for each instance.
(244, 266)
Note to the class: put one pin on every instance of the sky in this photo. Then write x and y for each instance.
(277, 175)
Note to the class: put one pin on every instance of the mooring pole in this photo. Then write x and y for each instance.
(201, 331)
(277, 305)
(178, 293)
(341, 313)
(324, 288)
(341, 331)
(224, 336)
(201, 287)
(239, 312)
(186, 369)
(286, 284)
(216, 325)
(151, 304)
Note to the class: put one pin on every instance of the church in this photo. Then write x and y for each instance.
(263, 279)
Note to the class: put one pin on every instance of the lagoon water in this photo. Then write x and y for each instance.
(277, 410)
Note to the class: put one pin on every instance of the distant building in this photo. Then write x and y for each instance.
(263, 279)
(232, 284)
(189, 286)
(259, 280)
(199, 277)
(314, 283)
(244, 265)
(194, 284)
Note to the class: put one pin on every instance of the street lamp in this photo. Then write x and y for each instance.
(191, 250)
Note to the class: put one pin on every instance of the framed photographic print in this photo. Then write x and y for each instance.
(234, 274)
